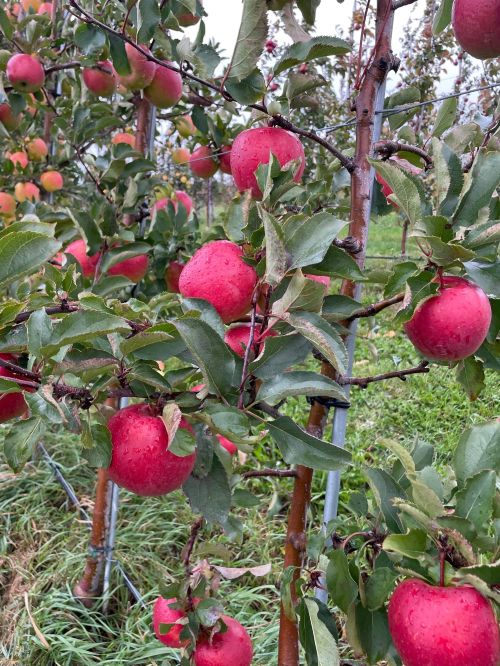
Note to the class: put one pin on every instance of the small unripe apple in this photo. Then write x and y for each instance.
(19, 159)
(403, 164)
(172, 275)
(134, 268)
(31, 4)
(165, 90)
(443, 626)
(237, 338)
(46, 8)
(100, 80)
(322, 279)
(141, 461)
(225, 159)
(143, 70)
(25, 73)
(202, 162)
(217, 273)
(37, 149)
(453, 324)
(11, 404)
(26, 192)
(123, 137)
(180, 156)
(52, 181)
(477, 27)
(8, 118)
(252, 148)
(185, 126)
(164, 614)
(231, 648)
(7, 205)
(88, 263)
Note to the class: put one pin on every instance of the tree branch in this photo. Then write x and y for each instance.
(248, 351)
(282, 473)
(375, 308)
(18, 370)
(187, 551)
(387, 148)
(56, 309)
(397, 4)
(399, 374)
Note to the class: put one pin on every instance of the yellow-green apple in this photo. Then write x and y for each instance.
(26, 192)
(180, 155)
(37, 149)
(185, 126)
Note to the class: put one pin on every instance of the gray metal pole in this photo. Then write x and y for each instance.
(340, 414)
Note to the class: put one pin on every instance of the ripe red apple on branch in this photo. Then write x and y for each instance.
(452, 324)
(25, 73)
(163, 613)
(141, 461)
(52, 181)
(142, 69)
(26, 192)
(179, 197)
(202, 162)
(12, 405)
(477, 27)
(19, 159)
(134, 268)
(180, 156)
(8, 118)
(123, 137)
(172, 275)
(237, 338)
(403, 164)
(100, 80)
(7, 205)
(443, 626)
(37, 149)
(165, 90)
(225, 159)
(233, 647)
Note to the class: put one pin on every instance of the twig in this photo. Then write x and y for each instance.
(375, 308)
(248, 351)
(387, 148)
(66, 65)
(282, 473)
(18, 370)
(402, 3)
(188, 548)
(56, 309)
(399, 374)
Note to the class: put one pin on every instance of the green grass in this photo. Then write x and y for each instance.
(43, 542)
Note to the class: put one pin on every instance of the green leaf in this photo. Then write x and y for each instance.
(210, 495)
(325, 646)
(482, 181)
(286, 584)
(300, 448)
(308, 9)
(470, 374)
(23, 253)
(21, 440)
(89, 38)
(373, 633)
(463, 138)
(483, 234)
(39, 329)
(342, 588)
(308, 242)
(378, 587)
(444, 254)
(5, 24)
(249, 90)
(475, 501)
(301, 294)
(151, 336)
(280, 353)
(98, 447)
(486, 275)
(442, 19)
(148, 18)
(118, 254)
(317, 47)
(298, 382)
(399, 99)
(445, 116)
(338, 307)
(405, 192)
(449, 177)
(490, 573)
(419, 287)
(338, 263)
(477, 450)
(385, 489)
(250, 41)
(323, 337)
(207, 312)
(211, 354)
(412, 544)
(398, 278)
(276, 258)
(298, 84)
(119, 55)
(82, 326)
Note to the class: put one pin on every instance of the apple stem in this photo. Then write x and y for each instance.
(442, 560)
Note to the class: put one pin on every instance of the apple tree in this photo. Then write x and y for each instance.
(114, 287)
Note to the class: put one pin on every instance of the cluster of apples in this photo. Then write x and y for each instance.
(232, 646)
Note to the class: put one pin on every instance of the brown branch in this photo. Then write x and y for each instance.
(248, 351)
(349, 244)
(18, 370)
(281, 473)
(281, 121)
(387, 148)
(397, 4)
(375, 308)
(187, 551)
(66, 65)
(23, 383)
(399, 374)
(56, 309)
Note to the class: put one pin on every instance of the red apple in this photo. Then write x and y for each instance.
(217, 273)
(231, 648)
(403, 164)
(225, 159)
(52, 181)
(164, 614)
(172, 275)
(252, 148)
(37, 149)
(46, 8)
(322, 279)
(25, 73)
(30, 4)
(271, 45)
(452, 324)
(100, 80)
(134, 268)
(19, 159)
(202, 162)
(143, 70)
(165, 90)
(186, 19)
(123, 137)
(443, 626)
(7, 205)
(185, 126)
(8, 118)
(88, 263)
(237, 338)
(179, 197)
(226, 443)
(477, 27)
(181, 156)
(26, 192)
(141, 461)
(11, 404)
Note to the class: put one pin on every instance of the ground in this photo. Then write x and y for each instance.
(43, 542)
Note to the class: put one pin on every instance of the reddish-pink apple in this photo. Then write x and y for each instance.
(7, 205)
(225, 159)
(227, 444)
(8, 118)
(202, 162)
(253, 147)
(403, 164)
(179, 197)
(163, 613)
(231, 648)
(165, 90)
(141, 461)
(19, 159)
(180, 156)
(46, 8)
(217, 273)
(237, 338)
(123, 137)
(37, 149)
(25, 73)
(100, 80)
(134, 268)
(477, 27)
(26, 192)
(52, 181)
(88, 263)
(452, 324)
(443, 626)
(11, 404)
(143, 70)
(172, 275)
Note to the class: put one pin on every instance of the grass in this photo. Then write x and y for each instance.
(43, 542)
